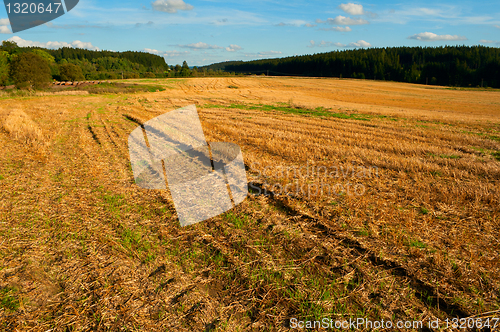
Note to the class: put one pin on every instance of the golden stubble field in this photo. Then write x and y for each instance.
(397, 218)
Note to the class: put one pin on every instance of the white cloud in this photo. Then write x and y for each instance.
(166, 54)
(170, 6)
(484, 41)
(53, 44)
(233, 48)
(309, 25)
(261, 54)
(173, 54)
(4, 22)
(497, 26)
(325, 44)
(149, 50)
(342, 20)
(200, 46)
(341, 29)
(352, 8)
(71, 26)
(294, 23)
(269, 53)
(429, 36)
(442, 13)
(4, 29)
(360, 43)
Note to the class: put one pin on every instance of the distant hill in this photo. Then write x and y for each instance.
(221, 65)
(76, 64)
(108, 64)
(149, 61)
(94, 65)
(449, 65)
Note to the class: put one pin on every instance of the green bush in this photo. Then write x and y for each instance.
(131, 75)
(4, 67)
(30, 70)
(71, 72)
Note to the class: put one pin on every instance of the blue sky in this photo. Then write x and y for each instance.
(208, 31)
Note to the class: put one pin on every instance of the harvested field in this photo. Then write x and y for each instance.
(372, 200)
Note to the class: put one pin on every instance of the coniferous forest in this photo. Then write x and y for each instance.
(463, 66)
(451, 65)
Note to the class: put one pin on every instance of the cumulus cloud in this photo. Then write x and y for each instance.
(4, 22)
(429, 36)
(233, 48)
(484, 41)
(342, 20)
(170, 6)
(341, 29)
(325, 44)
(150, 50)
(171, 54)
(4, 29)
(352, 8)
(359, 43)
(53, 44)
(200, 46)
(309, 25)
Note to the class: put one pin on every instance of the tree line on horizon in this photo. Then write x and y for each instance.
(465, 66)
(36, 67)
(449, 65)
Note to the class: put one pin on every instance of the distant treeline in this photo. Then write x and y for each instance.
(23, 66)
(451, 65)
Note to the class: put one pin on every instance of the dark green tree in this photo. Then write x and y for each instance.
(4, 67)
(30, 70)
(49, 58)
(71, 72)
(185, 71)
(448, 65)
(10, 47)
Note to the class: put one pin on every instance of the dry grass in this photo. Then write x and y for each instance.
(63, 93)
(82, 248)
(21, 128)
